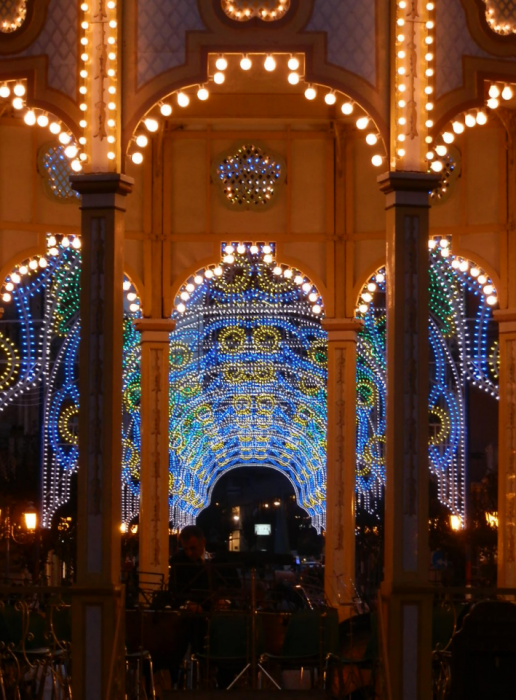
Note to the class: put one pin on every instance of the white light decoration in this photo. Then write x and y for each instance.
(293, 78)
(507, 93)
(293, 63)
(219, 78)
(151, 125)
(470, 120)
(436, 166)
(362, 123)
(43, 120)
(5, 91)
(494, 91)
(481, 118)
(330, 98)
(377, 160)
(492, 103)
(19, 90)
(142, 141)
(441, 150)
(30, 118)
(461, 352)
(458, 127)
(202, 93)
(448, 137)
(137, 158)
(310, 93)
(246, 63)
(182, 99)
(269, 64)
(347, 108)
(221, 63)
(166, 109)
(55, 128)
(371, 139)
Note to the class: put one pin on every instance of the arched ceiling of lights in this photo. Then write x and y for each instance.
(153, 71)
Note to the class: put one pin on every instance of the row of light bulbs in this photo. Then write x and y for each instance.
(266, 252)
(249, 12)
(405, 60)
(469, 119)
(246, 63)
(41, 118)
(88, 82)
(14, 24)
(458, 263)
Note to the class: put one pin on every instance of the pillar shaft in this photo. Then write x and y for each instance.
(507, 451)
(407, 606)
(98, 629)
(154, 470)
(340, 466)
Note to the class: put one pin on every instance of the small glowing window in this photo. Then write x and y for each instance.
(55, 169)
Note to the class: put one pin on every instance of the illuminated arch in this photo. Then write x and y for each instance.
(463, 351)
(247, 379)
(157, 106)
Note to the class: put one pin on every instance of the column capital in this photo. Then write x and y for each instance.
(506, 318)
(102, 190)
(155, 329)
(342, 328)
(409, 189)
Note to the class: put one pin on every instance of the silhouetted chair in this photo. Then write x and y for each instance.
(310, 636)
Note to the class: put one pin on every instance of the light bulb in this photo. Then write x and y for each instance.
(494, 91)
(64, 138)
(347, 108)
(219, 78)
(76, 243)
(181, 308)
(371, 139)
(30, 117)
(221, 63)
(245, 63)
(269, 64)
(198, 279)
(137, 158)
(241, 249)
(492, 103)
(151, 125)
(111, 155)
(377, 161)
(430, 155)
(51, 241)
(43, 120)
(33, 264)
(441, 150)
(436, 166)
(507, 93)
(470, 120)
(203, 94)
(71, 151)
(481, 118)
(293, 63)
(330, 98)
(182, 99)
(293, 78)
(65, 242)
(267, 249)
(288, 274)
(55, 127)
(316, 309)
(166, 110)
(310, 93)
(491, 300)
(19, 90)
(4, 91)
(362, 123)
(254, 250)
(142, 141)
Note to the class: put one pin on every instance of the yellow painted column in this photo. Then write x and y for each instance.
(154, 469)
(339, 582)
(98, 606)
(405, 593)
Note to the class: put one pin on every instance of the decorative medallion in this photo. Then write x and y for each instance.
(501, 16)
(266, 10)
(12, 15)
(55, 169)
(249, 177)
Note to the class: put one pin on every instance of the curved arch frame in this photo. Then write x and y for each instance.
(220, 38)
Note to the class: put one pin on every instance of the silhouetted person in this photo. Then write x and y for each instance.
(190, 579)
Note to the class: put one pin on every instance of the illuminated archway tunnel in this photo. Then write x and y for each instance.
(248, 372)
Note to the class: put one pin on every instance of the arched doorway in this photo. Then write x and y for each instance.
(247, 380)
